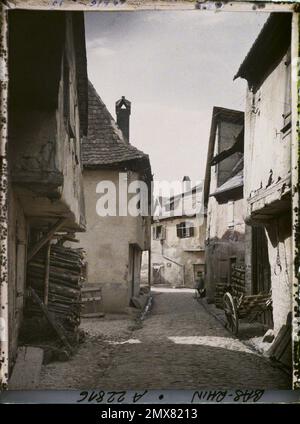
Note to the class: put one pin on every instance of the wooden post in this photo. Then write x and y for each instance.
(47, 269)
(45, 238)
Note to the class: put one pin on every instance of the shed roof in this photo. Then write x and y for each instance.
(267, 50)
(105, 145)
(232, 183)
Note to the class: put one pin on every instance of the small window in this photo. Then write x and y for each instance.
(216, 147)
(185, 230)
(170, 206)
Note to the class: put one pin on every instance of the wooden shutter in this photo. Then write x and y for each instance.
(178, 229)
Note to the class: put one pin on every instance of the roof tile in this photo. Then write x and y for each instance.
(105, 144)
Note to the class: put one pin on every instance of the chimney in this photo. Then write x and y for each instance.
(123, 109)
(186, 184)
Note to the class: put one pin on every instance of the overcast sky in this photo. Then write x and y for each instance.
(173, 67)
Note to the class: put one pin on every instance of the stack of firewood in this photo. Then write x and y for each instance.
(258, 302)
(219, 293)
(60, 292)
(238, 280)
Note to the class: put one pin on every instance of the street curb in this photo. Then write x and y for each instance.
(147, 307)
(245, 343)
(223, 322)
(138, 320)
(214, 315)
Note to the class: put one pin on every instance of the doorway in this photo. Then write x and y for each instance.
(135, 259)
(261, 271)
(198, 271)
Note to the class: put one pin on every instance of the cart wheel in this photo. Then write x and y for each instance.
(231, 313)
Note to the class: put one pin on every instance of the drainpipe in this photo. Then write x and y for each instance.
(174, 262)
(4, 366)
(149, 269)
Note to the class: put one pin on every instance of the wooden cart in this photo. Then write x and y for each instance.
(240, 306)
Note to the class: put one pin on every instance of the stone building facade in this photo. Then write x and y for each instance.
(114, 244)
(267, 172)
(48, 82)
(224, 201)
(177, 249)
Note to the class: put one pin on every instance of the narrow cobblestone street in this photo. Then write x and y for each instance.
(178, 346)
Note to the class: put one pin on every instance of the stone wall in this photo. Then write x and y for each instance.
(108, 240)
(225, 240)
(267, 180)
(43, 156)
(17, 247)
(45, 153)
(179, 258)
(267, 149)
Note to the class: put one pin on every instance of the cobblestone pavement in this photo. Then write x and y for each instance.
(179, 346)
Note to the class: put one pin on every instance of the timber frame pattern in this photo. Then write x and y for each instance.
(119, 5)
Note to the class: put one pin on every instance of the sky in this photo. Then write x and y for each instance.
(173, 67)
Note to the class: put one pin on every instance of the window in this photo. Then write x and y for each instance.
(170, 206)
(158, 232)
(230, 212)
(185, 230)
(216, 147)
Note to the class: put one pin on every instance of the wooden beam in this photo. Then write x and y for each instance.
(47, 272)
(47, 237)
(149, 268)
(57, 328)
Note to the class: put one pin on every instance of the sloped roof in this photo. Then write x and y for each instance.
(234, 182)
(164, 203)
(267, 50)
(178, 196)
(105, 145)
